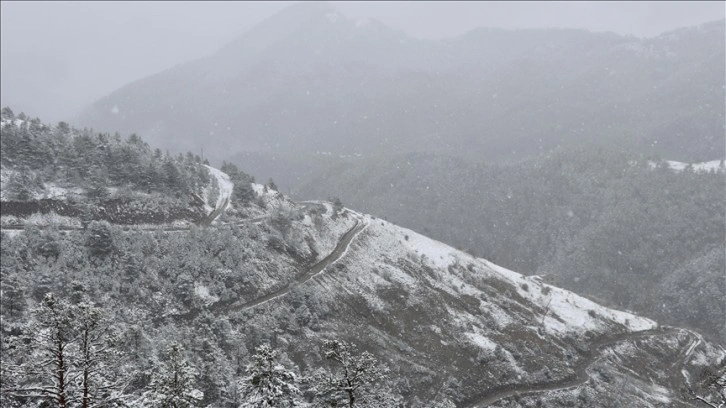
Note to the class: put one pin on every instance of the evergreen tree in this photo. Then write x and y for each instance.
(72, 359)
(97, 356)
(7, 114)
(269, 384)
(19, 186)
(172, 384)
(172, 176)
(49, 372)
(99, 239)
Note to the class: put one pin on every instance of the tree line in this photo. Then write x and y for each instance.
(39, 153)
(71, 356)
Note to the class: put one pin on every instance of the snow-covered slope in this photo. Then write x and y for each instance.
(439, 315)
(224, 187)
(559, 312)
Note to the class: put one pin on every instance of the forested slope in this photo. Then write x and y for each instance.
(74, 176)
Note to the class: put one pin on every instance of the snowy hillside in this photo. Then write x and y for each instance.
(260, 268)
(449, 326)
(56, 174)
(446, 312)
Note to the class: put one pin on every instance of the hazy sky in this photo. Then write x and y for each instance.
(58, 57)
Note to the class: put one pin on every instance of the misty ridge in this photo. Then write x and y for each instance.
(293, 82)
(327, 212)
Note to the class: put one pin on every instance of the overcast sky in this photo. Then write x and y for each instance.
(58, 57)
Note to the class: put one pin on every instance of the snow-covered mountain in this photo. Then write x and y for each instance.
(309, 79)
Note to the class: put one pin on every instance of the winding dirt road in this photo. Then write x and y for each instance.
(314, 270)
(580, 376)
(227, 306)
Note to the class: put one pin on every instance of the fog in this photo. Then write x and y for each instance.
(58, 57)
(363, 204)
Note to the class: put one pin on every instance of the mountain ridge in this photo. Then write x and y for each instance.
(336, 86)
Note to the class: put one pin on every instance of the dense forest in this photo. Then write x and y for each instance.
(80, 173)
(621, 228)
(131, 311)
(64, 155)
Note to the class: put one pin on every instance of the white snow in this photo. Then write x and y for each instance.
(225, 187)
(347, 247)
(55, 191)
(481, 341)
(260, 190)
(15, 122)
(327, 234)
(203, 293)
(566, 312)
(659, 393)
(573, 309)
(438, 253)
(702, 167)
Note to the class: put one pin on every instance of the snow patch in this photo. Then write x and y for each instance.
(579, 314)
(702, 167)
(225, 187)
(481, 341)
(437, 253)
(203, 293)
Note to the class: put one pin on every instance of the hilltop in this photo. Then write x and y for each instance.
(67, 176)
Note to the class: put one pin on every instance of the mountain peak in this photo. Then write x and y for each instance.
(285, 23)
(304, 10)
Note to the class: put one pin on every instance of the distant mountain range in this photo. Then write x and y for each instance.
(309, 80)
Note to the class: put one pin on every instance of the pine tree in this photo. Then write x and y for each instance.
(337, 205)
(99, 239)
(269, 384)
(7, 114)
(47, 374)
(172, 176)
(71, 358)
(19, 185)
(172, 384)
(97, 355)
